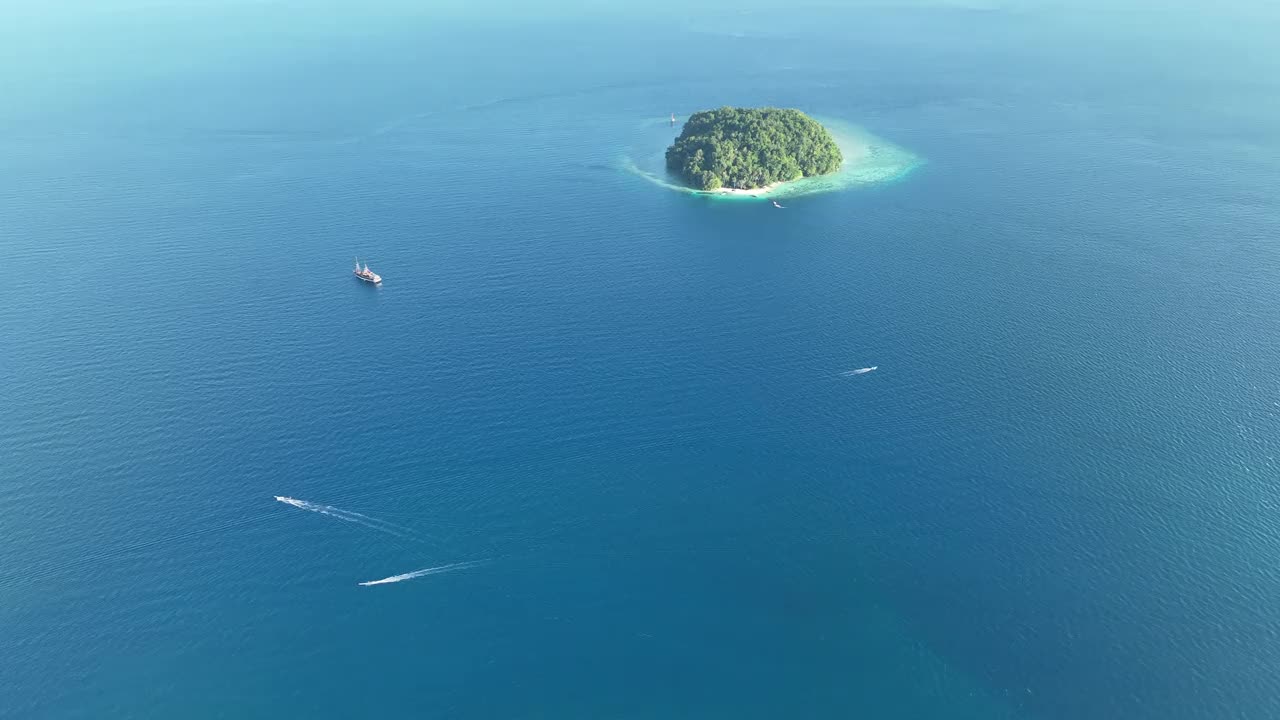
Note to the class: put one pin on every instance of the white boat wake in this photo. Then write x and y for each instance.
(860, 371)
(348, 516)
(423, 572)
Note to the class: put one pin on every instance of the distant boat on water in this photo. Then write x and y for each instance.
(673, 119)
(366, 274)
(860, 371)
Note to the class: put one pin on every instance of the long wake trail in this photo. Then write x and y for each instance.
(349, 516)
(424, 572)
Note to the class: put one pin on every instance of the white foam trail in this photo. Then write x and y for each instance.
(860, 371)
(347, 515)
(425, 571)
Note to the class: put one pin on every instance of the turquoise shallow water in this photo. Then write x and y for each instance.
(1054, 499)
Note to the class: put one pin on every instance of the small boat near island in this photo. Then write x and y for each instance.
(780, 207)
(366, 274)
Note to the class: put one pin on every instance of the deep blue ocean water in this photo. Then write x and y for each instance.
(1056, 498)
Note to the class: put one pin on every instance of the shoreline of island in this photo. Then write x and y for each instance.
(746, 192)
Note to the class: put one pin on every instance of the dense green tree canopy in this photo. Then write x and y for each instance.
(750, 148)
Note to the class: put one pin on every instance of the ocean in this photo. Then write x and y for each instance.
(611, 419)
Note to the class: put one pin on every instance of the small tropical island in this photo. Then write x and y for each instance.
(751, 149)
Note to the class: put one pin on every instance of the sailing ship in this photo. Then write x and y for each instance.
(366, 274)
